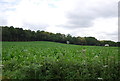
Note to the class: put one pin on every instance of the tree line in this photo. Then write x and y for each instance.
(18, 34)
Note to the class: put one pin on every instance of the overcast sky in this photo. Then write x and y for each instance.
(96, 18)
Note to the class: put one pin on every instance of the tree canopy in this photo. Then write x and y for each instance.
(18, 34)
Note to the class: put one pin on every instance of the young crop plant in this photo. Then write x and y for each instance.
(49, 60)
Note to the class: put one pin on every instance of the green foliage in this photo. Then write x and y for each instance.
(49, 60)
(18, 34)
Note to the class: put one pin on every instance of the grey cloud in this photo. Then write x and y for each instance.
(80, 20)
(8, 5)
(34, 26)
(112, 35)
(3, 21)
(83, 15)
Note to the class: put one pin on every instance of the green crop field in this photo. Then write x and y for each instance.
(50, 60)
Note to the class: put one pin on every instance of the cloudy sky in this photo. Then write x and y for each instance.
(96, 18)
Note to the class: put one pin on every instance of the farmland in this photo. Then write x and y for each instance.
(50, 60)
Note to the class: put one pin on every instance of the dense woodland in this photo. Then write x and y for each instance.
(18, 34)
